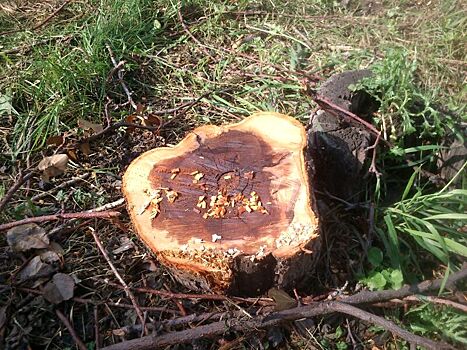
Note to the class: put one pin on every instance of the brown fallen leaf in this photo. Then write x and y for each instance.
(85, 148)
(55, 140)
(59, 289)
(53, 166)
(36, 268)
(282, 299)
(25, 237)
(151, 120)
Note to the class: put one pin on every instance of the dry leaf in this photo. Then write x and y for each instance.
(72, 154)
(36, 268)
(151, 120)
(85, 148)
(87, 125)
(60, 288)
(55, 140)
(53, 166)
(282, 299)
(127, 244)
(25, 237)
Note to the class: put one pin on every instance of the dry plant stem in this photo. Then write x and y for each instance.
(44, 22)
(64, 216)
(193, 318)
(66, 322)
(185, 28)
(327, 105)
(97, 335)
(262, 322)
(437, 300)
(263, 301)
(105, 302)
(114, 270)
(184, 106)
(22, 179)
(307, 311)
(117, 66)
(61, 186)
(104, 207)
(372, 168)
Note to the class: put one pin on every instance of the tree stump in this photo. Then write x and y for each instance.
(229, 209)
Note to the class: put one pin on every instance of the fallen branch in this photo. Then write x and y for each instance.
(314, 309)
(435, 300)
(122, 281)
(21, 180)
(64, 216)
(71, 330)
(367, 297)
(262, 322)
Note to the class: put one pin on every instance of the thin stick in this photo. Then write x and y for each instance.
(66, 322)
(171, 295)
(104, 207)
(106, 302)
(330, 105)
(117, 66)
(437, 300)
(60, 186)
(52, 15)
(64, 216)
(97, 335)
(22, 179)
(114, 270)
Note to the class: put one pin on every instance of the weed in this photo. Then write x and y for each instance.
(444, 322)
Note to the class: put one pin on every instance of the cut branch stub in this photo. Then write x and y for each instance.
(229, 208)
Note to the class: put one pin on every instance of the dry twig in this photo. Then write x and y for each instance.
(117, 67)
(64, 216)
(21, 180)
(60, 186)
(259, 301)
(117, 274)
(66, 322)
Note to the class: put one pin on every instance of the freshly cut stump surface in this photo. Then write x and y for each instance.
(229, 209)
